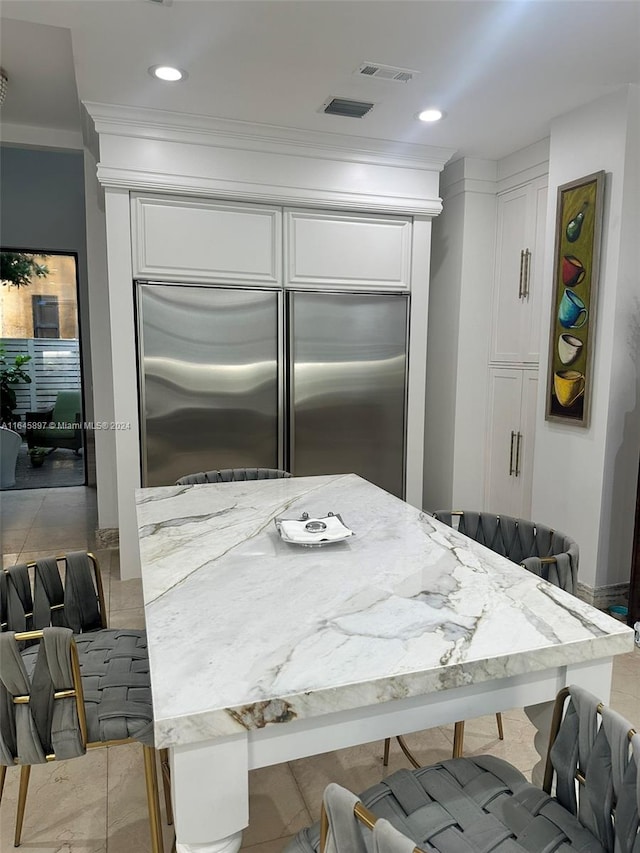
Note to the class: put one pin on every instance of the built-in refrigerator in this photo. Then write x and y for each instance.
(312, 382)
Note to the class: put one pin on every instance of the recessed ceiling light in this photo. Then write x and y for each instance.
(167, 73)
(431, 115)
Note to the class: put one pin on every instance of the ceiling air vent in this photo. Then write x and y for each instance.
(346, 107)
(386, 72)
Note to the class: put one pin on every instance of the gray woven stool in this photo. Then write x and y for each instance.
(484, 804)
(106, 701)
(232, 475)
(115, 704)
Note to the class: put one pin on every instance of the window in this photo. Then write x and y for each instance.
(46, 323)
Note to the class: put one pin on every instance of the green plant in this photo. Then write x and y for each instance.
(37, 455)
(18, 268)
(11, 372)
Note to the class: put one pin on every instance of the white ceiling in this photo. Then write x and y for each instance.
(501, 70)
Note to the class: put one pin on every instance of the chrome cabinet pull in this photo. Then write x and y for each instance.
(519, 439)
(520, 292)
(513, 435)
(527, 272)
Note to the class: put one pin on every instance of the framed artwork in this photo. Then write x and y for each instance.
(575, 272)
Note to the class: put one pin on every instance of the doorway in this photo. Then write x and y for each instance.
(40, 368)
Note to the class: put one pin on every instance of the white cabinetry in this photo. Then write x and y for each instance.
(182, 239)
(347, 251)
(515, 329)
(514, 347)
(512, 408)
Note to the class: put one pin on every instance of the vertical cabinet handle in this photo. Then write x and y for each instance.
(511, 469)
(527, 271)
(521, 282)
(518, 440)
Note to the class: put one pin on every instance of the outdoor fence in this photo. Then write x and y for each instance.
(54, 366)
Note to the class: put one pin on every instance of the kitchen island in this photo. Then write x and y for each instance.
(264, 651)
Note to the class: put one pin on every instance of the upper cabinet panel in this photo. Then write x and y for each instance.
(347, 251)
(200, 240)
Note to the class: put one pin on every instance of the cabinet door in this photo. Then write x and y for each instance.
(508, 320)
(347, 251)
(510, 442)
(521, 220)
(533, 283)
(505, 393)
(527, 438)
(198, 240)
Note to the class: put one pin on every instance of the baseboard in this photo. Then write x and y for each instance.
(603, 596)
(107, 537)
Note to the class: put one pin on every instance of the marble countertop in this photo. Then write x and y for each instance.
(246, 630)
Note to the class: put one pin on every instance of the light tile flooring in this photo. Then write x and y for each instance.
(97, 804)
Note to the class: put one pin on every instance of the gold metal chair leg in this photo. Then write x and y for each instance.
(166, 783)
(499, 722)
(153, 801)
(25, 772)
(3, 775)
(407, 751)
(385, 757)
(458, 739)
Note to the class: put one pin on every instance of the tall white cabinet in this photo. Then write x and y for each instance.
(514, 347)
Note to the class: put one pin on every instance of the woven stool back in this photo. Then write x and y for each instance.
(232, 475)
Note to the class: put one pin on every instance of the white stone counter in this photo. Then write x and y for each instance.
(246, 630)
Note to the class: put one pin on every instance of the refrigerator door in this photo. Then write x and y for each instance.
(347, 386)
(209, 379)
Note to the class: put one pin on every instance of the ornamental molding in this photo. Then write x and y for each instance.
(163, 125)
(161, 182)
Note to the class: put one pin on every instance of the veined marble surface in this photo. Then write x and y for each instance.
(246, 630)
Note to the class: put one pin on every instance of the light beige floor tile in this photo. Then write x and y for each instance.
(627, 705)
(9, 560)
(626, 673)
(125, 594)
(275, 846)
(13, 540)
(127, 813)
(276, 807)
(480, 737)
(64, 516)
(79, 495)
(132, 617)
(68, 538)
(66, 809)
(18, 516)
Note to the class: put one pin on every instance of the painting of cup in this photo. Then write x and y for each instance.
(573, 270)
(569, 348)
(568, 385)
(572, 313)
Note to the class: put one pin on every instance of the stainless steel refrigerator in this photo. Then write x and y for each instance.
(312, 382)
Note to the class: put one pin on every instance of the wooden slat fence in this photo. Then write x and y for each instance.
(54, 366)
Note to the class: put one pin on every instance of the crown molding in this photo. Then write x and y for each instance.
(468, 175)
(169, 126)
(523, 165)
(31, 136)
(145, 181)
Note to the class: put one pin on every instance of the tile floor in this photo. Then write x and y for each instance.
(97, 804)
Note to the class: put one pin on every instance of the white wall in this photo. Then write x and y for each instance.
(100, 344)
(585, 479)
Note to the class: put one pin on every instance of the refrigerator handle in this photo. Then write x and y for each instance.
(289, 423)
